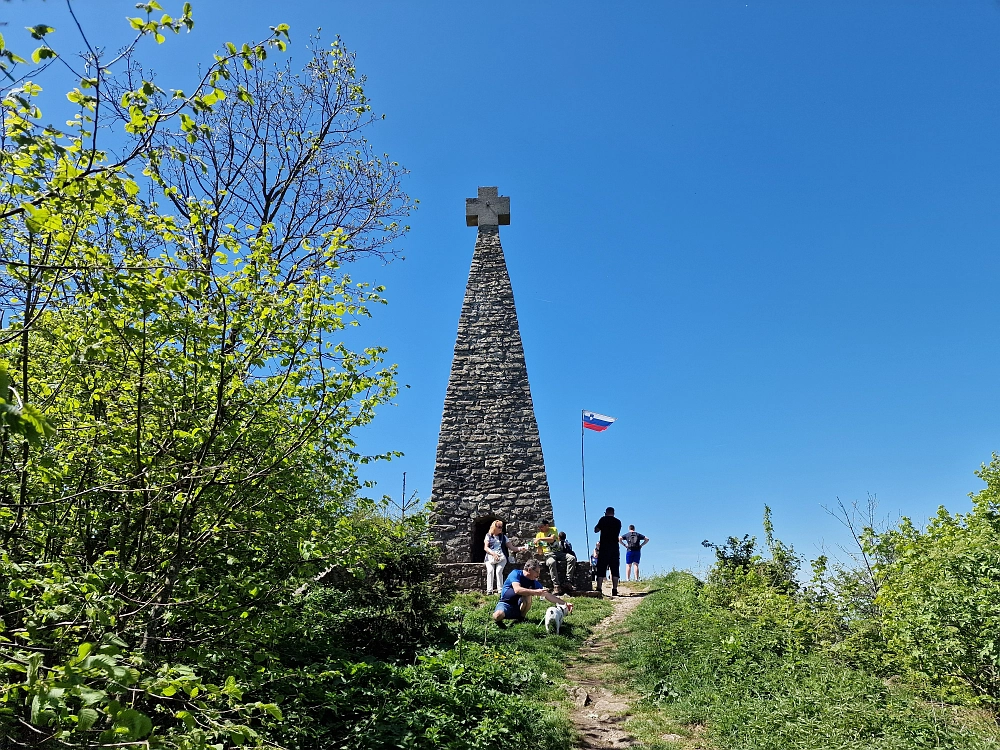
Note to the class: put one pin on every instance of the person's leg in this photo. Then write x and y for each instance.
(570, 571)
(526, 602)
(615, 571)
(602, 573)
(637, 571)
(500, 575)
(506, 611)
(553, 565)
(629, 554)
(490, 574)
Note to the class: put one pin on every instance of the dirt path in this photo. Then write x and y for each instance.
(598, 712)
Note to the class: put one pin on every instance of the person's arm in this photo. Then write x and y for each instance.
(597, 527)
(525, 591)
(544, 593)
(622, 542)
(645, 541)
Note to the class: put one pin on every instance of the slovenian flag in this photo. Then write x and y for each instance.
(594, 421)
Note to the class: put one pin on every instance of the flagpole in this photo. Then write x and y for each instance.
(583, 482)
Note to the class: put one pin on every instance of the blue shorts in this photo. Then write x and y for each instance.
(511, 610)
(632, 556)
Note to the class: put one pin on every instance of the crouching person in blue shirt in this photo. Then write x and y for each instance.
(517, 593)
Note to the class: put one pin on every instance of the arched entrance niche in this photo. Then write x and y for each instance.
(480, 528)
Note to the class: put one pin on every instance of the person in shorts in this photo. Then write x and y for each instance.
(633, 542)
(518, 592)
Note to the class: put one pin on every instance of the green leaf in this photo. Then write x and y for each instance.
(86, 719)
(89, 695)
(186, 717)
(138, 724)
(83, 650)
(39, 31)
(273, 710)
(42, 53)
(34, 662)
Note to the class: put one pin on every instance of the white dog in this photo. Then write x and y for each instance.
(555, 615)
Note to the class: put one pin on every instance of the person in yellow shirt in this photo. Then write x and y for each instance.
(548, 545)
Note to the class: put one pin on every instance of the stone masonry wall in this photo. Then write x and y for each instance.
(472, 576)
(489, 456)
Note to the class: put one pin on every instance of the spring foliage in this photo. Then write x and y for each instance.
(177, 400)
(895, 650)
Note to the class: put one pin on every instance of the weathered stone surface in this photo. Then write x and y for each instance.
(489, 209)
(472, 576)
(489, 458)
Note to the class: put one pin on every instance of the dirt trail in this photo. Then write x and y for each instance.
(599, 712)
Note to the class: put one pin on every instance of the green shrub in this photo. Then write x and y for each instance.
(941, 596)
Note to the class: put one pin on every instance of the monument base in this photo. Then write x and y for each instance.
(472, 576)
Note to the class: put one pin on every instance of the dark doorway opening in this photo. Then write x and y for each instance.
(480, 528)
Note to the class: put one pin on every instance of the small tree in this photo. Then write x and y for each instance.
(182, 329)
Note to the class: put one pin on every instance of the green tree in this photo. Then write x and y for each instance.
(173, 299)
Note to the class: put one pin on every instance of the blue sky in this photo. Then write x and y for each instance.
(762, 235)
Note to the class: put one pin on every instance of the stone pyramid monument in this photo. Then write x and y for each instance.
(489, 456)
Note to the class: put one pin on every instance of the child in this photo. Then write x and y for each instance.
(567, 547)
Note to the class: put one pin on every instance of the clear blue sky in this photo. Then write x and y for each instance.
(762, 235)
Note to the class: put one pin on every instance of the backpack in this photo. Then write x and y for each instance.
(633, 541)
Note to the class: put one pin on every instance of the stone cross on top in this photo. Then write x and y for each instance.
(490, 209)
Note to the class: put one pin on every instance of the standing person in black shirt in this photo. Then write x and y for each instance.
(609, 528)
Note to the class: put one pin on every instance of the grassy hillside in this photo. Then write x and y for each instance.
(748, 672)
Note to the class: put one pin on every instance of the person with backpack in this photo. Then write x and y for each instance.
(567, 547)
(633, 542)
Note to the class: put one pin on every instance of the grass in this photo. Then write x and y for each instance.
(523, 659)
(700, 665)
(525, 645)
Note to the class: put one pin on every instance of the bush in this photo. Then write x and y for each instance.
(941, 596)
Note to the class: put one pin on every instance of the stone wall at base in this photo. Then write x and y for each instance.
(472, 576)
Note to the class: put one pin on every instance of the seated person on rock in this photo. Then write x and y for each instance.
(518, 591)
(547, 543)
